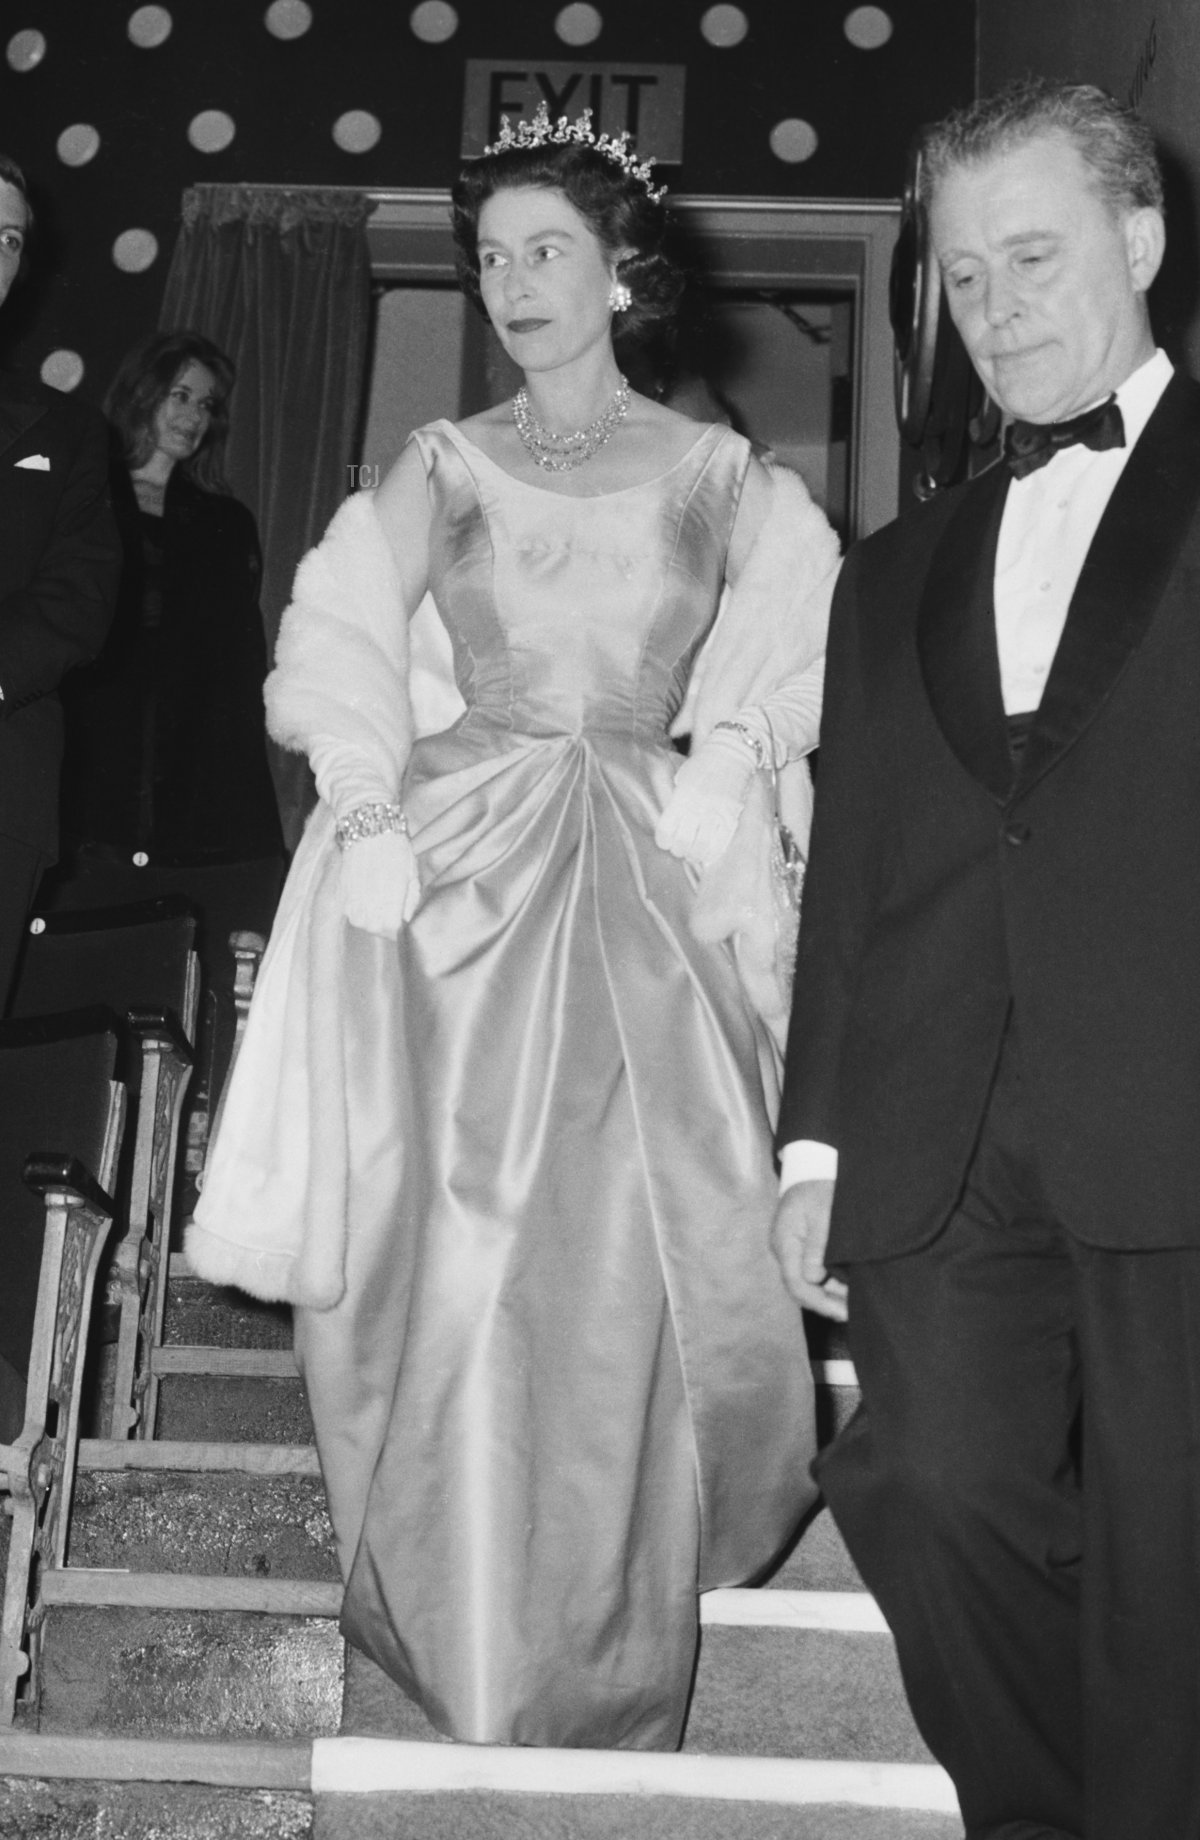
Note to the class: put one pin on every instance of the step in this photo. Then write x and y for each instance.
(214, 1315)
(247, 1525)
(478, 1816)
(154, 1811)
(801, 1693)
(277, 1525)
(95, 1789)
(467, 1792)
(262, 1656)
(364, 1790)
(66, 1810)
(782, 1693)
(237, 1408)
(139, 1673)
(165, 1515)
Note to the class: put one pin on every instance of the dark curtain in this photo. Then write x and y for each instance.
(281, 280)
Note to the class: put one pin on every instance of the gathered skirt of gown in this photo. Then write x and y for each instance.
(565, 1389)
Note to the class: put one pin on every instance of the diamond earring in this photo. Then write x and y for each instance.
(620, 298)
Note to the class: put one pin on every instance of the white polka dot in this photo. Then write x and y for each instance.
(135, 251)
(868, 27)
(357, 131)
(62, 370)
(433, 22)
(78, 144)
(288, 18)
(579, 25)
(26, 50)
(724, 26)
(211, 131)
(793, 140)
(150, 27)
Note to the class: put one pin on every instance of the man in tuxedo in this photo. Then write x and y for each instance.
(59, 563)
(991, 1121)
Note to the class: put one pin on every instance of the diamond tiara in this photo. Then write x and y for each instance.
(541, 132)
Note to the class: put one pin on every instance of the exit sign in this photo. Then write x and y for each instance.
(646, 99)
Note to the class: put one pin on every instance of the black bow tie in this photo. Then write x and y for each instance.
(1028, 445)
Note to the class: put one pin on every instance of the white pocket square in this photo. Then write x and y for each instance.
(37, 463)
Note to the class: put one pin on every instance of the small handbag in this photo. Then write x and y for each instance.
(787, 874)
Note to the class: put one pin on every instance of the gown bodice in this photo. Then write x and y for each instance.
(573, 616)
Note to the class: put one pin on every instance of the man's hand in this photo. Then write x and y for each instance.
(799, 1234)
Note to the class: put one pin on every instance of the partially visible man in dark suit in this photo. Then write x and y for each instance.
(59, 562)
(991, 1120)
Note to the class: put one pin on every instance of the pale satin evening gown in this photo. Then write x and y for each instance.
(565, 1390)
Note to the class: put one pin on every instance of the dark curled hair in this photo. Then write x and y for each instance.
(144, 381)
(617, 209)
(1112, 141)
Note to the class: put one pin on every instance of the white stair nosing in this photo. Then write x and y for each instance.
(363, 1766)
(853, 1611)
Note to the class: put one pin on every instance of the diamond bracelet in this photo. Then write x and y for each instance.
(369, 821)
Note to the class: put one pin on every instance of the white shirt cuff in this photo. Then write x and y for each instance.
(805, 1160)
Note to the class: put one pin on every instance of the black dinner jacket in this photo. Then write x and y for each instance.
(166, 746)
(943, 886)
(59, 563)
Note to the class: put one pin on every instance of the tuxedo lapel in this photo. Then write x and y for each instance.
(1123, 577)
(956, 635)
(18, 413)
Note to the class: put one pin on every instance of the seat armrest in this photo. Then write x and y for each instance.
(162, 1028)
(49, 1172)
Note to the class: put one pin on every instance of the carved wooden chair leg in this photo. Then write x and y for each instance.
(41, 1462)
(142, 1258)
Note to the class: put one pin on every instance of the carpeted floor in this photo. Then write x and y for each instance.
(546, 1817)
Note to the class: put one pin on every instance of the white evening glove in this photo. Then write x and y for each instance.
(378, 877)
(702, 813)
(380, 885)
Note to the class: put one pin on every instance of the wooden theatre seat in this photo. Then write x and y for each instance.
(141, 962)
(62, 1113)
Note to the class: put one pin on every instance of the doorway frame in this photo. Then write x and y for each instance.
(834, 246)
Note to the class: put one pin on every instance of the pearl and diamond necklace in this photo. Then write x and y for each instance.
(561, 453)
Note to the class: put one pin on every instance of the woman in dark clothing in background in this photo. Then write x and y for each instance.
(166, 786)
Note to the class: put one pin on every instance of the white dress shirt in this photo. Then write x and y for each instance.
(1049, 520)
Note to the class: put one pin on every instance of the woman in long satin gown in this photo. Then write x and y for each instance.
(561, 1389)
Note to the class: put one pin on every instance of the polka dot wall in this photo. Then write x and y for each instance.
(115, 109)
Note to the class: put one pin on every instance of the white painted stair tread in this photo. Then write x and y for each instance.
(774, 1609)
(358, 1766)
